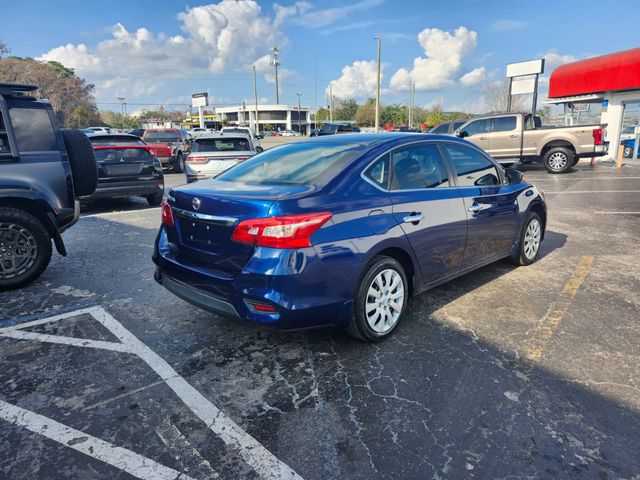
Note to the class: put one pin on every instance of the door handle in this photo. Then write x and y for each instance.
(413, 217)
(476, 208)
(482, 138)
(513, 136)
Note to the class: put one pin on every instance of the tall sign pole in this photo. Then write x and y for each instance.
(200, 100)
(255, 99)
(379, 37)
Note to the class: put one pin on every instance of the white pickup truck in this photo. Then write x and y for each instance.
(513, 137)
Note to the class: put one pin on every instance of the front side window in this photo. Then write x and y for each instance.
(33, 130)
(417, 167)
(504, 124)
(477, 127)
(295, 164)
(444, 128)
(471, 167)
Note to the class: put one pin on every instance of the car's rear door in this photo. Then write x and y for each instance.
(490, 203)
(429, 209)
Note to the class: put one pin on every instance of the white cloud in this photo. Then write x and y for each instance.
(444, 53)
(474, 77)
(478, 105)
(304, 13)
(507, 25)
(357, 80)
(263, 66)
(553, 59)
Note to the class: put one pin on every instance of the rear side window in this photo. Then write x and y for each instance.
(240, 144)
(378, 173)
(417, 167)
(471, 167)
(504, 124)
(295, 164)
(33, 130)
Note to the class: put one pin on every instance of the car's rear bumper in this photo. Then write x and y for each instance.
(311, 298)
(128, 188)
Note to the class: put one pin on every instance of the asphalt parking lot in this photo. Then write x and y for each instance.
(530, 372)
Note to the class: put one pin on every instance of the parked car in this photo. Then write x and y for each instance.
(214, 153)
(335, 128)
(405, 129)
(342, 230)
(289, 133)
(43, 170)
(448, 128)
(250, 132)
(628, 146)
(126, 168)
(98, 129)
(511, 137)
(138, 132)
(169, 145)
(628, 133)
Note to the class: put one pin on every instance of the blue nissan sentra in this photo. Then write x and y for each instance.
(341, 230)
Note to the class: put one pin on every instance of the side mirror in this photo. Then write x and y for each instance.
(259, 149)
(514, 176)
(260, 136)
(461, 133)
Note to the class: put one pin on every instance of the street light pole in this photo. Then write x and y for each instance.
(255, 99)
(299, 123)
(379, 38)
(275, 61)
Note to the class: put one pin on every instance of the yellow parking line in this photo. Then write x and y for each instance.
(534, 347)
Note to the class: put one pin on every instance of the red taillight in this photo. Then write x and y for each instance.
(286, 231)
(167, 149)
(597, 136)
(167, 214)
(196, 159)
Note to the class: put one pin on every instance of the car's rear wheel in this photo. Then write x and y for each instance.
(25, 248)
(530, 239)
(155, 199)
(627, 152)
(558, 159)
(380, 301)
(178, 167)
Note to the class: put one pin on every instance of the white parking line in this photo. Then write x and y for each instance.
(618, 213)
(265, 464)
(121, 458)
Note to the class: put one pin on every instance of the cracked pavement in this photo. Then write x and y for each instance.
(445, 397)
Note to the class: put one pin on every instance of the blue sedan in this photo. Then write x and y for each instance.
(342, 230)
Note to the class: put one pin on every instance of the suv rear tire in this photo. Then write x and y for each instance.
(558, 159)
(84, 168)
(178, 166)
(374, 318)
(22, 237)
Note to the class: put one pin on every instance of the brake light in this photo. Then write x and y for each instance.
(286, 231)
(167, 214)
(597, 136)
(196, 159)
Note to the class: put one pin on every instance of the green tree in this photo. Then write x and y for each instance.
(366, 113)
(435, 116)
(394, 114)
(322, 115)
(345, 109)
(3, 49)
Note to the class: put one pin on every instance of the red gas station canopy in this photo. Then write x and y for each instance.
(616, 71)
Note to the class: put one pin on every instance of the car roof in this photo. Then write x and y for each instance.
(222, 135)
(94, 134)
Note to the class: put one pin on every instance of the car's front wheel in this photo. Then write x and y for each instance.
(25, 248)
(530, 239)
(380, 301)
(627, 152)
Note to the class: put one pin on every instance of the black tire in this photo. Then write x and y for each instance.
(84, 169)
(522, 257)
(359, 326)
(576, 159)
(20, 232)
(627, 152)
(558, 159)
(155, 199)
(178, 166)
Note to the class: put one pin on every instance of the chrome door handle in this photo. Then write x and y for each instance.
(413, 218)
(476, 208)
(513, 136)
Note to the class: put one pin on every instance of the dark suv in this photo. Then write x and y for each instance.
(43, 170)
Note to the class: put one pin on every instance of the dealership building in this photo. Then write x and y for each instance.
(276, 117)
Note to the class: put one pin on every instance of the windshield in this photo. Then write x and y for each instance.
(161, 137)
(221, 145)
(294, 164)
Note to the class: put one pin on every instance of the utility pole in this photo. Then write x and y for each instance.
(379, 38)
(331, 102)
(299, 123)
(315, 89)
(255, 99)
(409, 107)
(121, 100)
(275, 62)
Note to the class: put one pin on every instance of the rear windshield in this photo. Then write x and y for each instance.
(122, 155)
(114, 140)
(161, 137)
(294, 164)
(221, 145)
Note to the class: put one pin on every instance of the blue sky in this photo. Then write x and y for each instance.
(160, 52)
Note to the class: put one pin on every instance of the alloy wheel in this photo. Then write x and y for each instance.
(18, 250)
(558, 160)
(385, 299)
(532, 239)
